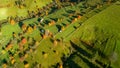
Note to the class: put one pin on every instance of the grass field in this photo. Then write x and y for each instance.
(98, 28)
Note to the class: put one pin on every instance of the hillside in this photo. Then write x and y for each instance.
(102, 33)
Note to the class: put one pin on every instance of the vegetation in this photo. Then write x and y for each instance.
(61, 34)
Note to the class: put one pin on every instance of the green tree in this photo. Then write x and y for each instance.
(90, 3)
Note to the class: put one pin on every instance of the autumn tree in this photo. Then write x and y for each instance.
(29, 29)
(26, 64)
(24, 27)
(23, 40)
(12, 21)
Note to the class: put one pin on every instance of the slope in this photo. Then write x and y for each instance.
(102, 33)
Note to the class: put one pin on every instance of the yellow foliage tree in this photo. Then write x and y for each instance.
(34, 27)
(21, 6)
(61, 66)
(55, 42)
(75, 19)
(12, 61)
(57, 52)
(31, 50)
(36, 43)
(4, 65)
(30, 29)
(49, 24)
(26, 55)
(46, 12)
(45, 55)
(26, 66)
(63, 28)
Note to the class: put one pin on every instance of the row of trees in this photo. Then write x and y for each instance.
(56, 3)
(87, 3)
(20, 3)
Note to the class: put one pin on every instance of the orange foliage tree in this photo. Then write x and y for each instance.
(24, 41)
(52, 23)
(24, 27)
(44, 36)
(12, 21)
(79, 17)
(9, 46)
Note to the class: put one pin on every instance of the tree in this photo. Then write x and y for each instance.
(4, 65)
(58, 3)
(91, 3)
(24, 27)
(30, 29)
(63, 28)
(109, 1)
(26, 64)
(12, 21)
(24, 40)
(9, 46)
(79, 17)
(14, 35)
(55, 42)
(13, 61)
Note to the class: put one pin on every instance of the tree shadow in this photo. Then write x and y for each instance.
(46, 21)
(63, 24)
(94, 50)
(88, 46)
(20, 24)
(59, 27)
(53, 9)
(97, 11)
(69, 63)
(101, 64)
(69, 20)
(82, 51)
(42, 31)
(52, 40)
(70, 11)
(55, 19)
(91, 65)
(82, 13)
(66, 15)
(38, 19)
